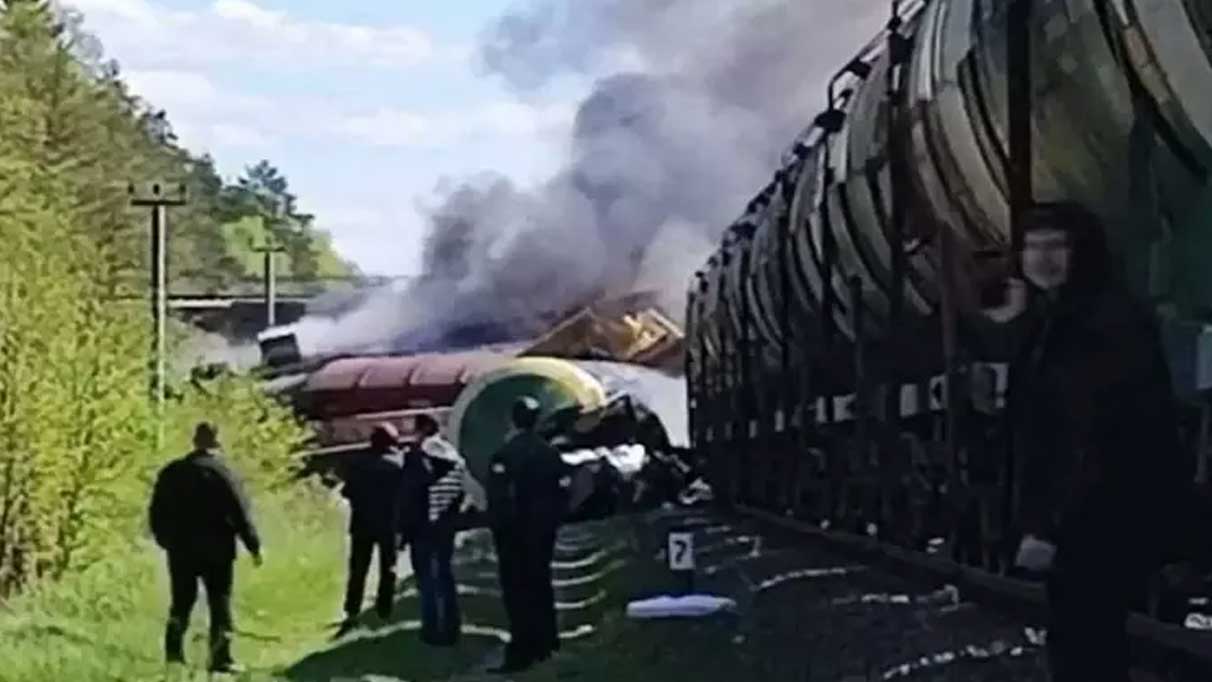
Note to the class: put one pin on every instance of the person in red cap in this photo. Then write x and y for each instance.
(371, 487)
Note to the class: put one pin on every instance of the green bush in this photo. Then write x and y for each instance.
(107, 622)
(78, 433)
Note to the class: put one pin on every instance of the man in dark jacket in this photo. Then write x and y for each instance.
(439, 474)
(198, 508)
(1095, 438)
(372, 488)
(527, 499)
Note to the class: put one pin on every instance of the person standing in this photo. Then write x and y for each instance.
(527, 500)
(433, 546)
(1094, 429)
(372, 488)
(198, 509)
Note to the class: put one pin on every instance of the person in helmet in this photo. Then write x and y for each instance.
(1095, 438)
(372, 488)
(527, 499)
(198, 509)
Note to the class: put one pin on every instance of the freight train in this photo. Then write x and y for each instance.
(824, 374)
(605, 377)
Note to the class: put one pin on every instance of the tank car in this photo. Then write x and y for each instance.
(823, 374)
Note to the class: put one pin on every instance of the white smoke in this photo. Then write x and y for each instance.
(693, 104)
(366, 327)
(204, 348)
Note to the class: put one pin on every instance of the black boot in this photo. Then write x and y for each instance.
(174, 639)
(511, 666)
(515, 661)
(347, 626)
(383, 607)
(220, 654)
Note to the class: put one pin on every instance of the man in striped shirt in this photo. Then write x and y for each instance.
(433, 543)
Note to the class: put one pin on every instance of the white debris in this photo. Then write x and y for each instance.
(997, 649)
(687, 606)
(698, 491)
(1198, 621)
(626, 459)
(805, 574)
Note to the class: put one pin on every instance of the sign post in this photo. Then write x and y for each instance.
(680, 552)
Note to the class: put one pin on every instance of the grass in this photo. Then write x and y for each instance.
(107, 623)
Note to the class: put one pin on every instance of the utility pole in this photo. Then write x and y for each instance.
(158, 197)
(271, 301)
(271, 247)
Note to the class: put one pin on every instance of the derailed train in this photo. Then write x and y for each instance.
(620, 426)
(824, 375)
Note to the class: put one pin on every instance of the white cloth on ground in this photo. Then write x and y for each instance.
(686, 606)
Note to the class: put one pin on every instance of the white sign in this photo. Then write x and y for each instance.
(681, 551)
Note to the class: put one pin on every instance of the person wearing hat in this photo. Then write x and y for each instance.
(1094, 430)
(198, 509)
(527, 499)
(372, 488)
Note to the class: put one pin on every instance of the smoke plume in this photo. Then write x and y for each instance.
(692, 105)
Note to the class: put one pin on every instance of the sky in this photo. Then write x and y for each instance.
(368, 107)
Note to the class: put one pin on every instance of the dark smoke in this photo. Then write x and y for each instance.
(693, 105)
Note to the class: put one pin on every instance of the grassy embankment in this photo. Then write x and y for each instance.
(107, 622)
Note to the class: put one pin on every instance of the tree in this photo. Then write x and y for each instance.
(264, 191)
(75, 420)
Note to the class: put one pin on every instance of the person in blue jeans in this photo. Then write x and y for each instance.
(435, 483)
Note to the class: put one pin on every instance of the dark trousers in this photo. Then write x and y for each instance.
(361, 546)
(431, 555)
(524, 568)
(185, 571)
(1089, 601)
(541, 547)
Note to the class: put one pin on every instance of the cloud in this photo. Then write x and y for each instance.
(243, 80)
(240, 31)
(381, 238)
(171, 88)
(204, 115)
(389, 127)
(231, 135)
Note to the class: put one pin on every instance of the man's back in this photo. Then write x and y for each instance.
(198, 506)
(526, 476)
(373, 488)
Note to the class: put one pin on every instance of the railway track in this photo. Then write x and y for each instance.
(961, 621)
(587, 557)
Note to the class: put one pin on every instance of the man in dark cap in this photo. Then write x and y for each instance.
(527, 499)
(372, 487)
(1094, 428)
(197, 510)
